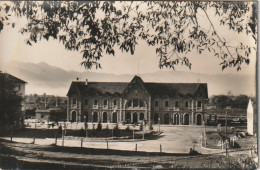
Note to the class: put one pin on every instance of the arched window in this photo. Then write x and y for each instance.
(95, 117)
(105, 117)
(128, 117)
(114, 117)
(141, 116)
(73, 117)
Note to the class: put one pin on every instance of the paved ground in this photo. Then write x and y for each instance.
(174, 139)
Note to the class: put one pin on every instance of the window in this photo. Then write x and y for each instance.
(176, 104)
(42, 116)
(74, 101)
(166, 103)
(19, 87)
(86, 101)
(129, 104)
(115, 102)
(186, 104)
(141, 103)
(95, 102)
(156, 103)
(199, 103)
(105, 102)
(135, 103)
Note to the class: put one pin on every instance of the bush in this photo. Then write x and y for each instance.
(116, 130)
(151, 126)
(99, 127)
(141, 126)
(127, 129)
(59, 131)
(82, 132)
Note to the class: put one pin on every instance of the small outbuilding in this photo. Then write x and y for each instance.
(252, 117)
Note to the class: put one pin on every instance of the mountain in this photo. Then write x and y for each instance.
(44, 78)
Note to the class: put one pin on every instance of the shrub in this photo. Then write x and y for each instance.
(82, 132)
(151, 126)
(141, 126)
(59, 131)
(116, 130)
(99, 127)
(127, 129)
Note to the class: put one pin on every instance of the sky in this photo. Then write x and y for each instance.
(14, 48)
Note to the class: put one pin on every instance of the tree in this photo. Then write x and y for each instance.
(10, 104)
(240, 101)
(174, 28)
(221, 101)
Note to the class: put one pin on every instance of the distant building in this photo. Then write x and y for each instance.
(50, 108)
(19, 87)
(136, 101)
(218, 116)
(18, 83)
(252, 118)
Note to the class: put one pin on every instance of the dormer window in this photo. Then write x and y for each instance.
(74, 101)
(105, 103)
(199, 103)
(166, 104)
(141, 103)
(176, 104)
(95, 102)
(135, 103)
(186, 104)
(129, 104)
(156, 103)
(86, 101)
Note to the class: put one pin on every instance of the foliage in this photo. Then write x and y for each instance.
(82, 133)
(222, 101)
(174, 28)
(127, 129)
(141, 126)
(10, 103)
(99, 126)
(59, 130)
(116, 130)
(30, 113)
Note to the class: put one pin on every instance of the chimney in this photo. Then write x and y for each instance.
(86, 83)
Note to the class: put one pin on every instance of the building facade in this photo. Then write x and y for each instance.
(18, 86)
(137, 101)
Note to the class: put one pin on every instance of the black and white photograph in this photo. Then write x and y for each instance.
(128, 85)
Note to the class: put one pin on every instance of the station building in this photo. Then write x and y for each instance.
(137, 101)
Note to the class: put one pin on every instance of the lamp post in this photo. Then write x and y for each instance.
(226, 133)
(159, 120)
(86, 125)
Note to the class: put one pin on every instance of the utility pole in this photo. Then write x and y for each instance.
(159, 123)
(226, 134)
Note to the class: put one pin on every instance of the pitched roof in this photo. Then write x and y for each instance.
(154, 89)
(13, 78)
(175, 89)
